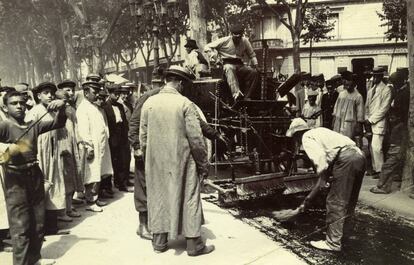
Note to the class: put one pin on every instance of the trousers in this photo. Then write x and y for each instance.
(160, 242)
(25, 201)
(140, 190)
(391, 167)
(348, 172)
(241, 76)
(377, 154)
(121, 158)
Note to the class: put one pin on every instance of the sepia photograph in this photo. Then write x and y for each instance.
(216, 132)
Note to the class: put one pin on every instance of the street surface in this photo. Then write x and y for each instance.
(109, 238)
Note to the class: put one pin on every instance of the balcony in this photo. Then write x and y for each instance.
(272, 43)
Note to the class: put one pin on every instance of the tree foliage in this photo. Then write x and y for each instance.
(394, 17)
(222, 14)
(316, 24)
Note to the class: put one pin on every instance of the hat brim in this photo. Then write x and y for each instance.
(185, 76)
(191, 46)
(66, 84)
(291, 132)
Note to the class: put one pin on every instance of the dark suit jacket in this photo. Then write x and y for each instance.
(118, 132)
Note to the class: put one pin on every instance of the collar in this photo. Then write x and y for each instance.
(170, 90)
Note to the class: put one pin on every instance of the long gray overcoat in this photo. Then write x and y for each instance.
(175, 158)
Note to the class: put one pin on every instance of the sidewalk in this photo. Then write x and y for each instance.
(109, 238)
(397, 201)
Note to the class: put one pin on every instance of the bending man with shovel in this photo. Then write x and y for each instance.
(337, 155)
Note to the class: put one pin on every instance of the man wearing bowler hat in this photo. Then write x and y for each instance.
(232, 49)
(118, 140)
(376, 108)
(176, 164)
(196, 62)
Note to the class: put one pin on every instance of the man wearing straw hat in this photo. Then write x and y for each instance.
(376, 108)
(337, 155)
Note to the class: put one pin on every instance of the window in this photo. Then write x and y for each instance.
(334, 18)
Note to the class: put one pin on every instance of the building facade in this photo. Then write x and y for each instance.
(357, 41)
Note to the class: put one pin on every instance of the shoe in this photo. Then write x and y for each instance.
(126, 189)
(73, 213)
(143, 232)
(321, 244)
(45, 262)
(65, 218)
(77, 201)
(105, 194)
(159, 251)
(101, 203)
(94, 208)
(205, 250)
(377, 190)
(411, 195)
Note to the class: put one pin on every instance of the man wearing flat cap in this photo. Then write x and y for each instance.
(176, 163)
(48, 156)
(24, 89)
(311, 111)
(118, 140)
(67, 138)
(94, 145)
(195, 61)
(232, 49)
(338, 156)
(376, 108)
(348, 112)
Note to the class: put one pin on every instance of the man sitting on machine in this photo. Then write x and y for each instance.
(232, 49)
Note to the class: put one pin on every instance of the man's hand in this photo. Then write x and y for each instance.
(138, 153)
(56, 104)
(238, 94)
(90, 155)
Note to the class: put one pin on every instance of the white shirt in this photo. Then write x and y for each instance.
(321, 145)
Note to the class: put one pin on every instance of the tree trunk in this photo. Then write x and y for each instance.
(70, 52)
(198, 22)
(296, 54)
(129, 70)
(408, 168)
(310, 56)
(54, 59)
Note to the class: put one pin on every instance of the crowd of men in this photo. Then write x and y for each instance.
(58, 142)
(379, 122)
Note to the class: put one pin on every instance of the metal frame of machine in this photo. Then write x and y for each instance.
(257, 129)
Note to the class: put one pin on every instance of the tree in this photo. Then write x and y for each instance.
(317, 26)
(222, 14)
(394, 17)
(292, 20)
(408, 173)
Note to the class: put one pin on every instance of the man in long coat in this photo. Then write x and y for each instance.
(376, 108)
(48, 156)
(348, 112)
(94, 135)
(175, 165)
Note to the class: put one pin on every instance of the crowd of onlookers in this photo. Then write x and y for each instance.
(374, 116)
(81, 148)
